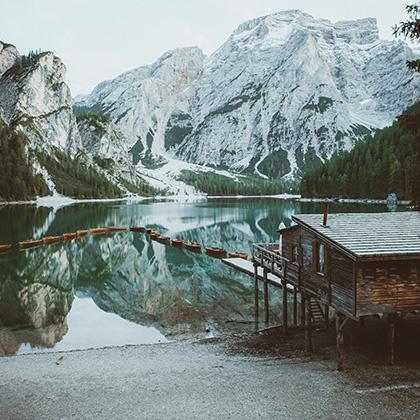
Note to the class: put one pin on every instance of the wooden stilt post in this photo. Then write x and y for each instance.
(339, 326)
(308, 324)
(256, 295)
(266, 303)
(302, 309)
(284, 307)
(295, 321)
(327, 317)
(391, 338)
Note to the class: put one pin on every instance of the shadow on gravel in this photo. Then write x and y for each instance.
(365, 350)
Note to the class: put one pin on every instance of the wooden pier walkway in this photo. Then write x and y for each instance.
(247, 267)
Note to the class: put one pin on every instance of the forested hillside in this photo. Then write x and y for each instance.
(17, 178)
(387, 162)
(216, 184)
(73, 178)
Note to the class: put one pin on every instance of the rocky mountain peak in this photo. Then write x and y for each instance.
(281, 95)
(360, 31)
(8, 56)
(35, 99)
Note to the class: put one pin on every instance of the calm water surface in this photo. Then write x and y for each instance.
(123, 288)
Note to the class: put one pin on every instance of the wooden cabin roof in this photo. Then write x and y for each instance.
(369, 235)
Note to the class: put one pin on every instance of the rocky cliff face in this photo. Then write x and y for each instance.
(8, 55)
(287, 90)
(103, 141)
(35, 100)
(141, 101)
(281, 95)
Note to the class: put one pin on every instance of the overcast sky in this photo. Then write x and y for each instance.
(99, 39)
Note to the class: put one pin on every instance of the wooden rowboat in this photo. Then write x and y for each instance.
(30, 243)
(164, 239)
(195, 247)
(5, 248)
(238, 255)
(177, 242)
(80, 233)
(96, 231)
(48, 240)
(216, 252)
(140, 229)
(154, 235)
(69, 236)
(117, 229)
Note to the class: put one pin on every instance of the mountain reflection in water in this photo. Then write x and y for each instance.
(127, 283)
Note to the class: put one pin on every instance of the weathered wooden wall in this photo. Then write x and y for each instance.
(337, 286)
(342, 282)
(388, 286)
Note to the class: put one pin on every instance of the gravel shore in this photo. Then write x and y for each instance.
(183, 380)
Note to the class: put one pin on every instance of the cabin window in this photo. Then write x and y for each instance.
(295, 254)
(320, 260)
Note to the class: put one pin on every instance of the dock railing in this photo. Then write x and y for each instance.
(268, 257)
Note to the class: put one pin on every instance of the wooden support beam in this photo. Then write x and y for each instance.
(339, 328)
(256, 296)
(266, 302)
(295, 321)
(308, 324)
(302, 309)
(327, 317)
(284, 290)
(391, 338)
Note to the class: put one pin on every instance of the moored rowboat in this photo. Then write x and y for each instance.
(194, 246)
(164, 239)
(47, 240)
(140, 229)
(177, 242)
(69, 236)
(5, 248)
(117, 229)
(96, 231)
(216, 252)
(238, 255)
(154, 236)
(30, 243)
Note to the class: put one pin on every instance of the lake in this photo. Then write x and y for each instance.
(122, 288)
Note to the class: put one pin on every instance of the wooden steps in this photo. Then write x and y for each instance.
(316, 312)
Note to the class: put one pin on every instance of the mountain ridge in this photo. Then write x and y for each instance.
(235, 116)
(279, 97)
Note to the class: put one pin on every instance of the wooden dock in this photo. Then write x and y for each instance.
(247, 267)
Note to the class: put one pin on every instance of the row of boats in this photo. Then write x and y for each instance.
(48, 240)
(190, 246)
(154, 235)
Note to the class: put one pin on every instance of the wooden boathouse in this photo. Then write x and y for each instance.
(352, 264)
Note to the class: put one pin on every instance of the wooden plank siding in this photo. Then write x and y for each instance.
(342, 282)
(371, 261)
(388, 286)
(336, 287)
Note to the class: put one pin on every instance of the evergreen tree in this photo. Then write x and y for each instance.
(387, 162)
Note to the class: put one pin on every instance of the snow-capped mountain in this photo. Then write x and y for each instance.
(281, 95)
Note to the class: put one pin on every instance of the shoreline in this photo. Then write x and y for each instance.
(237, 377)
(61, 201)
